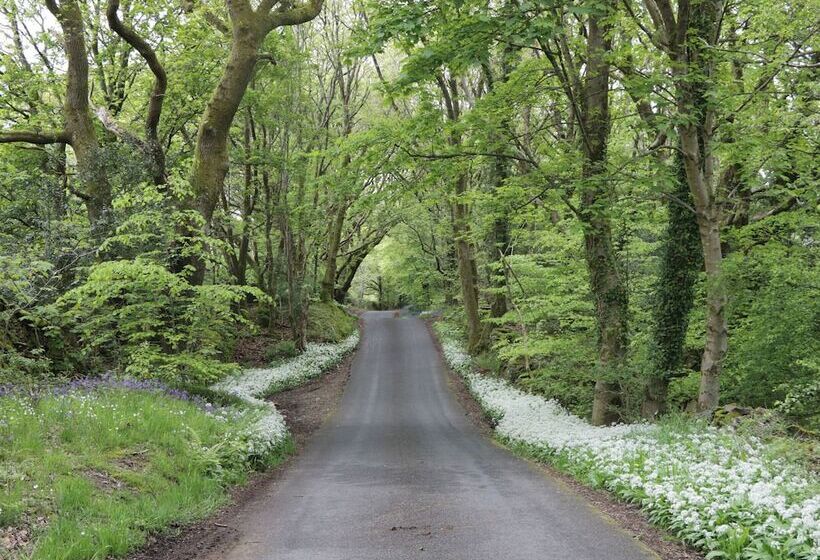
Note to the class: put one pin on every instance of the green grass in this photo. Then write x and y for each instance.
(329, 322)
(106, 468)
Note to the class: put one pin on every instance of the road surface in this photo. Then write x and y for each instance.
(399, 472)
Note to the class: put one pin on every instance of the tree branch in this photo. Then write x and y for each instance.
(461, 154)
(35, 137)
(288, 14)
(150, 57)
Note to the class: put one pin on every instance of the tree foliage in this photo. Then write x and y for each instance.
(616, 199)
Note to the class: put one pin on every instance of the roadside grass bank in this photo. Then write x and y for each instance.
(330, 322)
(89, 473)
(726, 493)
(89, 469)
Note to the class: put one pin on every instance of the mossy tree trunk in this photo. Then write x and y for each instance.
(606, 281)
(79, 131)
(249, 27)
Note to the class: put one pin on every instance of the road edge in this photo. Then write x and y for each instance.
(215, 532)
(627, 517)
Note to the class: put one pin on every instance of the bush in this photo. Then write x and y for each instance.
(774, 315)
(138, 317)
(25, 285)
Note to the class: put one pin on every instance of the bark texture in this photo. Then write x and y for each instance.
(606, 282)
(249, 27)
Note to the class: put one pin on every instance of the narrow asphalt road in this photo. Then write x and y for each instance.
(399, 472)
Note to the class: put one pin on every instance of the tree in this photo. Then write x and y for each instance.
(249, 27)
(151, 145)
(78, 130)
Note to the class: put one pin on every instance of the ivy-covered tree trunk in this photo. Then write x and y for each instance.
(692, 72)
(606, 282)
(680, 263)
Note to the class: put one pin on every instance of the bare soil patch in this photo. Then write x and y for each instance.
(251, 351)
(627, 516)
(104, 481)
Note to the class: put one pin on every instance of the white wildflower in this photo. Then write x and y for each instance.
(706, 486)
(270, 430)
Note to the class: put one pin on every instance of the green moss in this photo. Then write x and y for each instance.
(329, 322)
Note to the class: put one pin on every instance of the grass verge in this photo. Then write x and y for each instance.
(88, 475)
(329, 322)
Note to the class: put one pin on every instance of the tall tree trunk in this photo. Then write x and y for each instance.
(501, 247)
(462, 245)
(249, 27)
(466, 267)
(211, 154)
(333, 243)
(293, 249)
(606, 283)
(500, 235)
(271, 258)
(693, 73)
(680, 264)
(79, 124)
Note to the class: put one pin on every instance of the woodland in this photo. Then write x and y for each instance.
(617, 200)
(610, 203)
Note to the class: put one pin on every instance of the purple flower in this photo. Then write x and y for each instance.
(110, 381)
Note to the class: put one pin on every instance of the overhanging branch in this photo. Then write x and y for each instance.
(35, 137)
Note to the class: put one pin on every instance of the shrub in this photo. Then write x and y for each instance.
(139, 318)
(25, 285)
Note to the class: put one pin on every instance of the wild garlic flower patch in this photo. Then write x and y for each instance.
(269, 430)
(713, 488)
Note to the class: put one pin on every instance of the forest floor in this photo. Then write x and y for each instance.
(405, 469)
